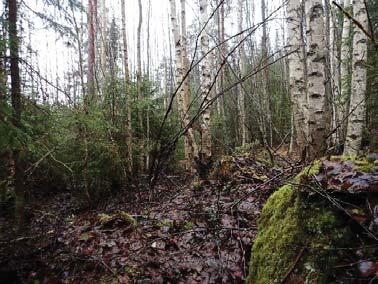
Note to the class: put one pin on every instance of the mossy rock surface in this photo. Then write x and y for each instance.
(118, 218)
(297, 234)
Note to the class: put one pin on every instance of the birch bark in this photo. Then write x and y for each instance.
(182, 95)
(345, 68)
(317, 118)
(297, 74)
(357, 101)
(205, 87)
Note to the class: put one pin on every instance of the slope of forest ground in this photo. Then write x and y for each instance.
(189, 232)
(180, 232)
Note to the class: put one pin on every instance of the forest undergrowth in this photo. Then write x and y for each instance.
(180, 232)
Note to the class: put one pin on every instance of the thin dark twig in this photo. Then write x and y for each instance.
(297, 258)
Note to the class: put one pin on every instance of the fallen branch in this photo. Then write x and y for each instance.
(298, 257)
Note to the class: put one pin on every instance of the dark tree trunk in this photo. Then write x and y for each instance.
(16, 105)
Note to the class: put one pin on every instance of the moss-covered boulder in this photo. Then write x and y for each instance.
(300, 231)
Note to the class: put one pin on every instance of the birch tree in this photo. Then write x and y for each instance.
(335, 72)
(296, 73)
(357, 107)
(345, 66)
(190, 142)
(205, 87)
(317, 122)
(139, 79)
(190, 146)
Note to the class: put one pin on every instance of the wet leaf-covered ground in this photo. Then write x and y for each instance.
(177, 233)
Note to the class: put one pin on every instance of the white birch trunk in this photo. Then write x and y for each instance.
(205, 87)
(335, 73)
(317, 101)
(357, 101)
(190, 140)
(297, 74)
(190, 146)
(345, 62)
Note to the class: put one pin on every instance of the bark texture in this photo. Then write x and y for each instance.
(190, 142)
(345, 68)
(335, 73)
(296, 74)
(205, 87)
(317, 101)
(357, 107)
(182, 95)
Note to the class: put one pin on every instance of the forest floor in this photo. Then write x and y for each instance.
(182, 234)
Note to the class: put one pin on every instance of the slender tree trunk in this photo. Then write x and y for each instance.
(104, 40)
(206, 153)
(148, 77)
(335, 72)
(345, 76)
(266, 100)
(328, 69)
(2, 63)
(129, 133)
(190, 140)
(91, 49)
(297, 75)
(190, 146)
(80, 50)
(242, 70)
(17, 171)
(222, 54)
(317, 102)
(357, 107)
(139, 83)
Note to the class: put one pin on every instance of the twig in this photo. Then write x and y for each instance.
(298, 257)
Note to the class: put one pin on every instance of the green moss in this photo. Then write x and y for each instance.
(197, 186)
(278, 229)
(108, 279)
(361, 163)
(310, 170)
(124, 217)
(188, 225)
(104, 218)
(364, 165)
(131, 271)
(289, 221)
(166, 222)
